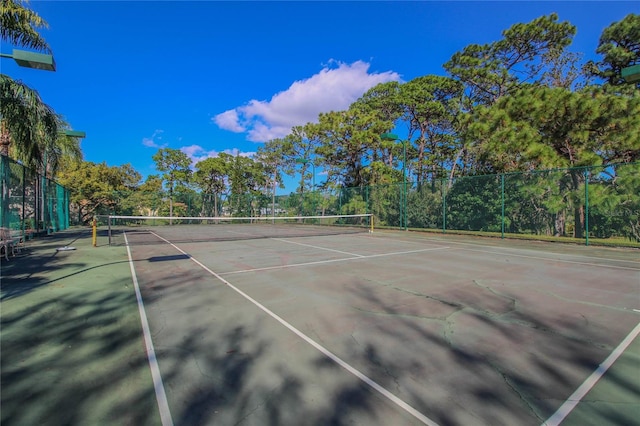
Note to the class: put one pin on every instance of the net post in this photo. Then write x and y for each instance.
(109, 227)
(94, 228)
(371, 223)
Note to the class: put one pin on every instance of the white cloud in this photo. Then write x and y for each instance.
(197, 153)
(229, 120)
(334, 88)
(154, 140)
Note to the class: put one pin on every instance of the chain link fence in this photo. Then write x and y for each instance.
(589, 204)
(601, 203)
(30, 202)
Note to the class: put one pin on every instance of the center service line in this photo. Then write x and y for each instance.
(400, 403)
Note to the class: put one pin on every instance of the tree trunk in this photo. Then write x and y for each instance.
(577, 178)
(579, 222)
(560, 224)
(5, 140)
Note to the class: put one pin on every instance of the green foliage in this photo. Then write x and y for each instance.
(521, 105)
(425, 206)
(95, 188)
(354, 205)
(614, 202)
(19, 26)
(175, 165)
(494, 70)
(210, 178)
(29, 128)
(620, 47)
(350, 141)
(541, 127)
(474, 204)
(27, 123)
(430, 105)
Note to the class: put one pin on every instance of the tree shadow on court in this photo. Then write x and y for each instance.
(18, 285)
(224, 362)
(29, 268)
(469, 357)
(467, 363)
(242, 379)
(76, 357)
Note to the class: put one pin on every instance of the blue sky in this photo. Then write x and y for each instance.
(209, 77)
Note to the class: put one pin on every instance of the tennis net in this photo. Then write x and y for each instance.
(156, 229)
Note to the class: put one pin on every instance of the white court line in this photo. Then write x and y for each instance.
(320, 262)
(442, 240)
(553, 259)
(317, 247)
(161, 396)
(588, 384)
(400, 403)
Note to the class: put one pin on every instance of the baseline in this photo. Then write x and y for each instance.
(559, 260)
(482, 246)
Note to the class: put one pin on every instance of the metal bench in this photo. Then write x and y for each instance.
(10, 241)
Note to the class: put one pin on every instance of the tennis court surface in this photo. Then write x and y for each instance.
(383, 328)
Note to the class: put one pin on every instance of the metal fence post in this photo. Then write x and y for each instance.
(444, 205)
(586, 206)
(502, 202)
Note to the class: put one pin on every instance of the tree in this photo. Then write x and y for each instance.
(19, 26)
(64, 149)
(492, 70)
(286, 153)
(247, 178)
(210, 176)
(620, 46)
(430, 105)
(26, 121)
(175, 165)
(349, 142)
(385, 103)
(98, 188)
(539, 127)
(145, 199)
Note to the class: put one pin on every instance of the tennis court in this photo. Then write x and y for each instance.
(385, 328)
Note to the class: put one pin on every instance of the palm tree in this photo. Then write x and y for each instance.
(26, 121)
(18, 26)
(64, 150)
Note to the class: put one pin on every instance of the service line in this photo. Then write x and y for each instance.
(321, 262)
(317, 247)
